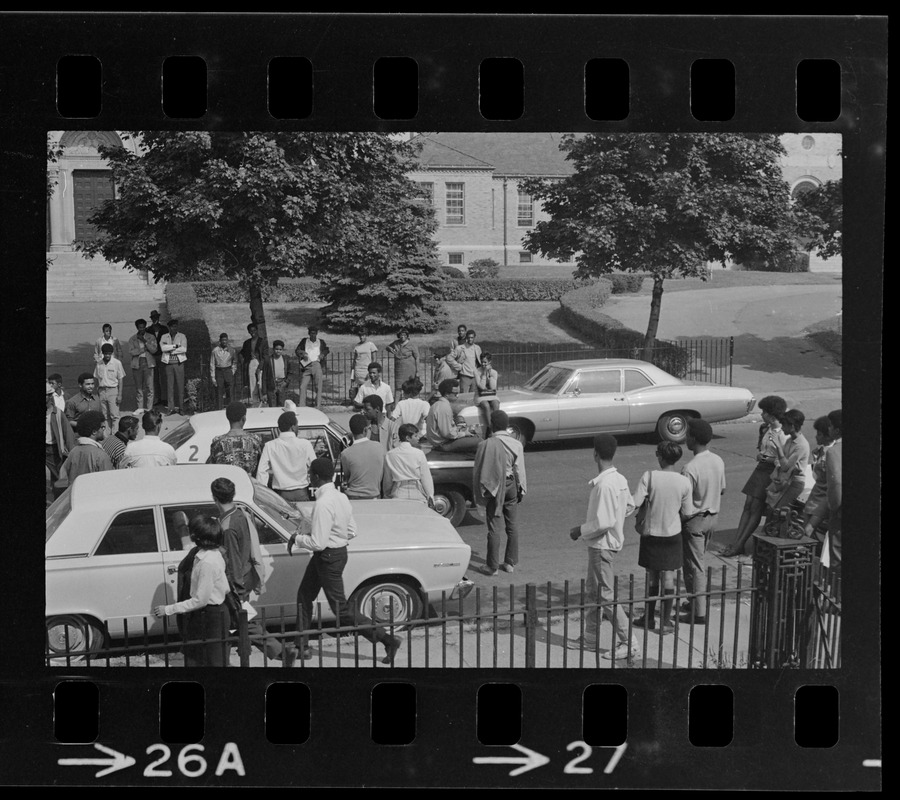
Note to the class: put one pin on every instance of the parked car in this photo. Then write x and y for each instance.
(568, 399)
(192, 439)
(114, 541)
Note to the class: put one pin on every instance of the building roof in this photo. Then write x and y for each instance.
(507, 153)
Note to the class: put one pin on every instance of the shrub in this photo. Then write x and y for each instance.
(307, 290)
(623, 282)
(509, 289)
(797, 261)
(451, 272)
(484, 268)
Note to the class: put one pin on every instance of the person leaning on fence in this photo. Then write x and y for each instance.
(206, 618)
(332, 528)
(406, 470)
(770, 437)
(604, 533)
(788, 480)
(815, 511)
(499, 481)
(706, 472)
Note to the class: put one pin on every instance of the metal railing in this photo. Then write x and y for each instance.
(531, 626)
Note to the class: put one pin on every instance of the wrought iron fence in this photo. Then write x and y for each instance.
(531, 626)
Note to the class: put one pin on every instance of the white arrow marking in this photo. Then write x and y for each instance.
(117, 762)
(532, 760)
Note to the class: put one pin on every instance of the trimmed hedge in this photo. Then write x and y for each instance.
(625, 282)
(303, 291)
(451, 272)
(798, 261)
(579, 310)
(183, 305)
(474, 289)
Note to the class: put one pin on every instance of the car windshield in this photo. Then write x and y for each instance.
(274, 504)
(179, 435)
(549, 380)
(57, 512)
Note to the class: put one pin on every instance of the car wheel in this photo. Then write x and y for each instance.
(673, 427)
(83, 636)
(450, 504)
(376, 599)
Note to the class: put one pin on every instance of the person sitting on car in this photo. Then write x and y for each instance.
(440, 428)
(362, 463)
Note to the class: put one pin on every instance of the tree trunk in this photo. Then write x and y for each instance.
(257, 312)
(653, 322)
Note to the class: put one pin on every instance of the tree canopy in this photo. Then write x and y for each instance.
(820, 218)
(255, 207)
(666, 204)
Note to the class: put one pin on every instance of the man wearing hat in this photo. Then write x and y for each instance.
(332, 528)
(60, 438)
(311, 353)
(159, 373)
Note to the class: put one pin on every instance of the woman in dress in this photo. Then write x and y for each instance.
(406, 360)
(669, 494)
(406, 469)
(788, 479)
(206, 616)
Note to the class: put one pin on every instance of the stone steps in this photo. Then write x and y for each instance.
(73, 278)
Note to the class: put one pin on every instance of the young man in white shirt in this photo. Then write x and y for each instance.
(311, 352)
(603, 531)
(174, 353)
(149, 451)
(332, 528)
(287, 460)
(375, 386)
(110, 376)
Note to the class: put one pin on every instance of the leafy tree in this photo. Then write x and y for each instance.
(820, 218)
(665, 204)
(256, 207)
(54, 153)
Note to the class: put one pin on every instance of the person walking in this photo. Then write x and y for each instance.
(364, 353)
(669, 497)
(206, 617)
(406, 470)
(498, 478)
(222, 366)
(465, 359)
(238, 447)
(332, 528)
(174, 353)
(160, 388)
(150, 450)
(84, 401)
(115, 445)
(604, 533)
(771, 437)
(142, 348)
(406, 359)
(110, 377)
(277, 371)
(286, 461)
(362, 463)
(245, 567)
(312, 353)
(706, 472)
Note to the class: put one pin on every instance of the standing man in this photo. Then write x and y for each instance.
(362, 463)
(277, 371)
(498, 478)
(88, 454)
(440, 428)
(115, 445)
(149, 451)
(465, 360)
(333, 526)
(60, 438)
(381, 428)
(287, 459)
(253, 353)
(142, 348)
(603, 531)
(110, 376)
(375, 386)
(460, 339)
(834, 477)
(59, 394)
(311, 353)
(706, 472)
(406, 360)
(237, 447)
(107, 338)
(159, 374)
(174, 349)
(244, 567)
(84, 401)
(222, 366)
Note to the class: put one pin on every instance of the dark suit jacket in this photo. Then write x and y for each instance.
(323, 351)
(268, 376)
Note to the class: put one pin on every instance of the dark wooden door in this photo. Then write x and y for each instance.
(91, 188)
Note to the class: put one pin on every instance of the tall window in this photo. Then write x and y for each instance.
(428, 189)
(456, 204)
(525, 217)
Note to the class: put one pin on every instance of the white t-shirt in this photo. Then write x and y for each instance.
(412, 411)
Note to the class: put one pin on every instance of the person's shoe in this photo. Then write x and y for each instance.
(306, 653)
(390, 649)
(666, 628)
(507, 568)
(623, 650)
(643, 622)
(731, 552)
(488, 571)
(581, 643)
(695, 618)
(289, 656)
(685, 606)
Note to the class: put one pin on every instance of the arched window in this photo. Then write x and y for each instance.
(803, 186)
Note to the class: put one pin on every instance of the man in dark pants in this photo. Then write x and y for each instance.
(333, 526)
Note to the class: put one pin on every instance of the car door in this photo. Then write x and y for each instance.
(127, 571)
(325, 444)
(593, 403)
(174, 524)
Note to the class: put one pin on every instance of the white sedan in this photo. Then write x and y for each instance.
(114, 541)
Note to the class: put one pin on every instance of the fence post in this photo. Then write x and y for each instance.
(531, 614)
(243, 639)
(730, 360)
